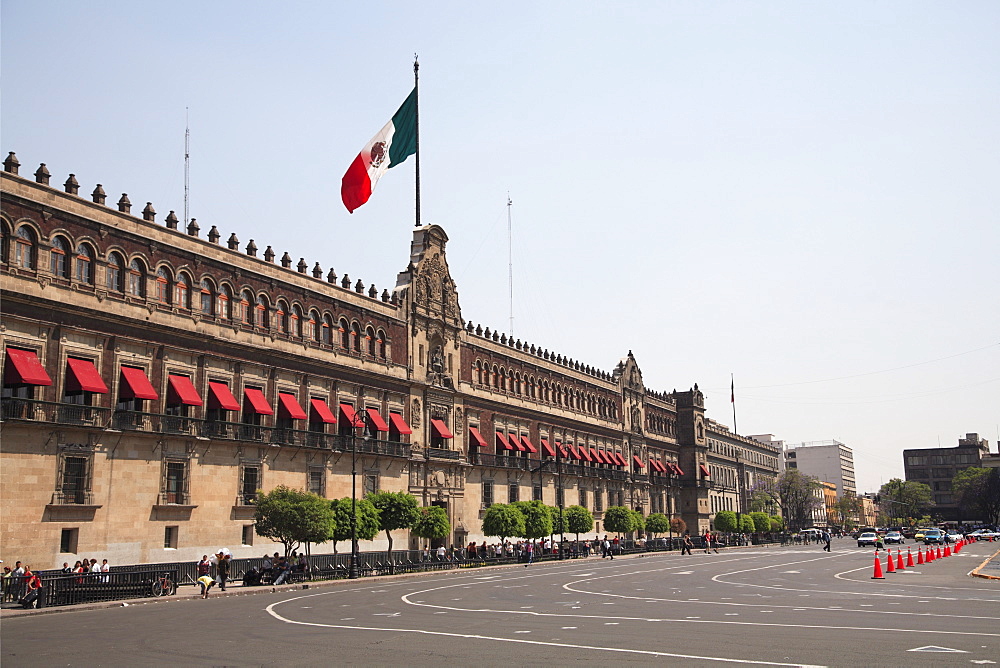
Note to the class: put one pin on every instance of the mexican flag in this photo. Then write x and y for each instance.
(393, 144)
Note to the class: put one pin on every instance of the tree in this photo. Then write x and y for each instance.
(678, 526)
(900, 500)
(537, 519)
(795, 494)
(432, 524)
(978, 493)
(657, 523)
(777, 523)
(619, 519)
(638, 521)
(725, 521)
(746, 524)
(578, 520)
(556, 526)
(503, 521)
(761, 522)
(291, 517)
(396, 510)
(847, 510)
(367, 519)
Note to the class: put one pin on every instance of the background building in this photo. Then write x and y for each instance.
(829, 461)
(737, 464)
(155, 379)
(936, 467)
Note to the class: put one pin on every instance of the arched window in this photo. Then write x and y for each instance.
(59, 258)
(207, 297)
(326, 336)
(356, 337)
(380, 346)
(345, 334)
(116, 279)
(479, 373)
(137, 278)
(225, 303)
(246, 308)
(24, 248)
(295, 326)
(282, 315)
(370, 341)
(85, 264)
(162, 286)
(315, 326)
(4, 242)
(182, 291)
(261, 318)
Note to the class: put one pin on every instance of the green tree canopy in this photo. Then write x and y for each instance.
(900, 500)
(777, 523)
(537, 519)
(558, 528)
(657, 523)
(578, 520)
(432, 524)
(725, 520)
(978, 493)
(761, 522)
(619, 519)
(396, 510)
(367, 518)
(795, 494)
(292, 517)
(503, 521)
(638, 521)
(747, 525)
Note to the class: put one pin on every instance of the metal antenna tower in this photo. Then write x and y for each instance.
(187, 166)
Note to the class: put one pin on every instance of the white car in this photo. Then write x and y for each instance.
(867, 538)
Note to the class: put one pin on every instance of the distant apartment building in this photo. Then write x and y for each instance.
(829, 461)
(936, 467)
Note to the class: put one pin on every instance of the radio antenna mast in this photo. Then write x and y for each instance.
(187, 166)
(510, 269)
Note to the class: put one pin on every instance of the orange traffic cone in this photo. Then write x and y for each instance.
(889, 567)
(920, 555)
(938, 555)
(947, 550)
(899, 560)
(878, 569)
(930, 555)
(909, 558)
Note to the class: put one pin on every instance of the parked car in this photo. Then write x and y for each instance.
(933, 536)
(867, 538)
(952, 536)
(894, 537)
(918, 535)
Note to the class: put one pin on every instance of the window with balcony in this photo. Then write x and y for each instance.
(487, 500)
(174, 486)
(249, 484)
(513, 492)
(73, 484)
(316, 483)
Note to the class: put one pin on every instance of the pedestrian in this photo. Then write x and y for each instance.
(826, 541)
(222, 570)
(105, 568)
(707, 538)
(531, 553)
(66, 568)
(686, 544)
(32, 588)
(441, 552)
(607, 549)
(206, 583)
(7, 583)
(204, 566)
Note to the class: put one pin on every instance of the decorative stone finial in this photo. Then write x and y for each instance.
(373, 291)
(72, 186)
(359, 287)
(317, 271)
(233, 243)
(42, 174)
(99, 196)
(269, 254)
(11, 163)
(124, 204)
(286, 260)
(345, 282)
(385, 296)
(193, 228)
(214, 235)
(252, 249)
(171, 220)
(302, 266)
(331, 276)
(148, 212)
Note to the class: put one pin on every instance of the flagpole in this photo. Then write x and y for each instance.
(732, 397)
(416, 88)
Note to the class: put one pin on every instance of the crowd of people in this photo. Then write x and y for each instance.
(23, 585)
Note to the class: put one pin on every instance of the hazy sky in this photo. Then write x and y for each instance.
(804, 195)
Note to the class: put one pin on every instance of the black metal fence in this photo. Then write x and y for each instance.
(59, 588)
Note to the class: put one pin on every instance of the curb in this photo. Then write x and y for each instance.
(975, 572)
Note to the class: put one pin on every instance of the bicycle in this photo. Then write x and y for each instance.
(164, 586)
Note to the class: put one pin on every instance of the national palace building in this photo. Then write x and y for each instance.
(155, 377)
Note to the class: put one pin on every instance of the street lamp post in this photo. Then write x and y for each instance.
(353, 574)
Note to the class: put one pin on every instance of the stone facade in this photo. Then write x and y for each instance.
(147, 463)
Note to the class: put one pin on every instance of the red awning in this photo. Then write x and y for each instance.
(502, 442)
(678, 469)
(258, 401)
(596, 455)
(23, 367)
(477, 438)
(621, 460)
(219, 396)
(288, 404)
(399, 424)
(548, 448)
(704, 470)
(658, 465)
(83, 375)
(576, 453)
(350, 416)
(440, 429)
(585, 454)
(322, 411)
(515, 440)
(528, 444)
(563, 449)
(376, 419)
(638, 462)
(603, 456)
(136, 385)
(181, 391)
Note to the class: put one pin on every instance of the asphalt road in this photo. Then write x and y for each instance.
(776, 606)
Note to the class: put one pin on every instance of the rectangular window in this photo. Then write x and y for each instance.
(583, 498)
(170, 537)
(75, 482)
(487, 493)
(248, 534)
(598, 500)
(513, 492)
(536, 492)
(68, 541)
(249, 484)
(317, 478)
(175, 483)
(371, 483)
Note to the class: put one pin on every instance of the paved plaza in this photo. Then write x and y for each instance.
(762, 606)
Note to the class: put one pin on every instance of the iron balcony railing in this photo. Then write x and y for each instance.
(443, 453)
(72, 497)
(500, 461)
